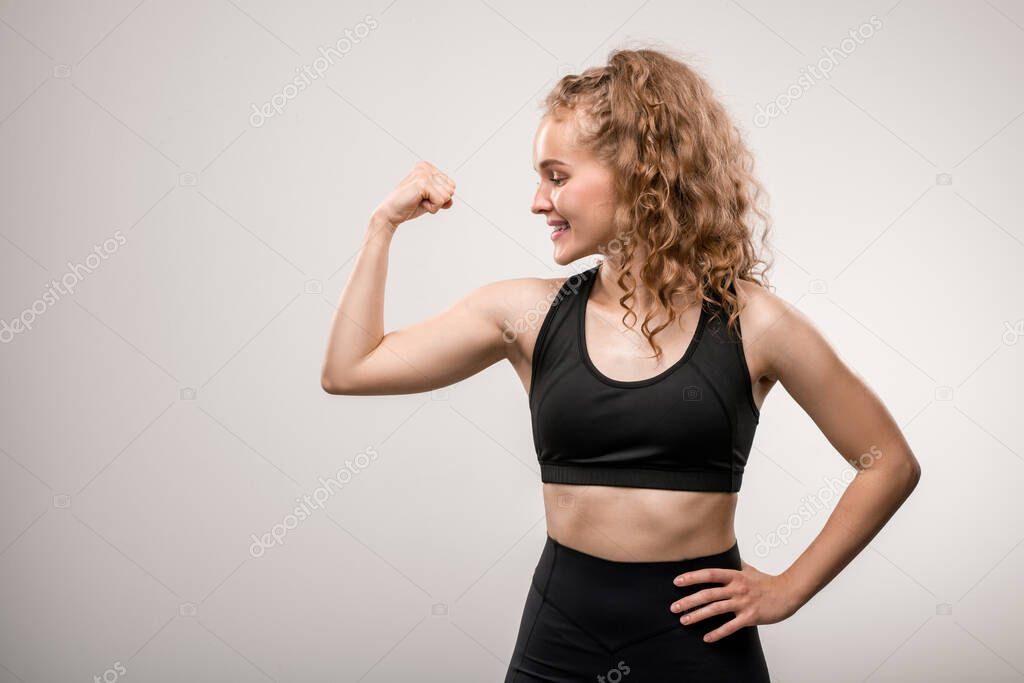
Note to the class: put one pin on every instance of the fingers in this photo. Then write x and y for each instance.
(444, 182)
(699, 598)
(706, 575)
(725, 630)
(445, 189)
(436, 188)
(709, 611)
(735, 596)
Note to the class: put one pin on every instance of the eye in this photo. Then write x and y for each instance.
(558, 182)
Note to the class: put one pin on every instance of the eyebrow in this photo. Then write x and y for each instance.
(550, 162)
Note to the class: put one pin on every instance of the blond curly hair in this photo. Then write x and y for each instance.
(686, 192)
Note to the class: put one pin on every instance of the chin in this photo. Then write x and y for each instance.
(567, 254)
(564, 258)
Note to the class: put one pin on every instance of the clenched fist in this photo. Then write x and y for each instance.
(424, 189)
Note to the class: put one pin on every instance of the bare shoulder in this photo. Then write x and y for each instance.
(523, 291)
(523, 304)
(503, 298)
(773, 328)
(512, 306)
(758, 306)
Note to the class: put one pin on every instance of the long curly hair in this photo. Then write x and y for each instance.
(686, 192)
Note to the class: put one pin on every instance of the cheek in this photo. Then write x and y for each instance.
(590, 205)
(571, 201)
(563, 201)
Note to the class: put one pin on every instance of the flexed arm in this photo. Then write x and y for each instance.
(458, 342)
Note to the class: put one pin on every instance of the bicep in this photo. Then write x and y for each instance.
(441, 350)
(850, 415)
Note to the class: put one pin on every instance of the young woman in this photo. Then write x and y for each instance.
(641, 456)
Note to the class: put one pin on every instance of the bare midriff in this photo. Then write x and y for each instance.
(625, 524)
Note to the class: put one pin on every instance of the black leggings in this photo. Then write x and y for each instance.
(591, 619)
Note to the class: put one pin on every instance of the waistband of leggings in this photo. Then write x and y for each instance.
(723, 559)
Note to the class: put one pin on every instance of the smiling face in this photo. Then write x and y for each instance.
(574, 188)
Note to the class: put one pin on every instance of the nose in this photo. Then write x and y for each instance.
(541, 201)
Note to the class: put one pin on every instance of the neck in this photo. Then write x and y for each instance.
(643, 300)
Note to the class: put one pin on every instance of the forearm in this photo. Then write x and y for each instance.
(358, 324)
(870, 500)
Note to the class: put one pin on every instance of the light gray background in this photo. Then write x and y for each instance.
(128, 505)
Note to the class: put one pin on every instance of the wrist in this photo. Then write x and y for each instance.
(793, 591)
(380, 228)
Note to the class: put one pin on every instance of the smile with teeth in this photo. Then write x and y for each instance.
(561, 228)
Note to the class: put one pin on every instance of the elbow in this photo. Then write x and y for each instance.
(331, 385)
(346, 378)
(913, 475)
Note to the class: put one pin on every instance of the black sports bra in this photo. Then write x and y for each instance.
(688, 428)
